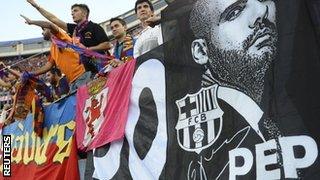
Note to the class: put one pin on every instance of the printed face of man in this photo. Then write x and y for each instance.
(78, 14)
(243, 25)
(240, 40)
(144, 11)
(118, 30)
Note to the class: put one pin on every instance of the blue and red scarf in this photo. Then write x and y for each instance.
(79, 28)
(27, 99)
(101, 59)
(126, 49)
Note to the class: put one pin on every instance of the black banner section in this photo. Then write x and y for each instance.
(233, 93)
(242, 90)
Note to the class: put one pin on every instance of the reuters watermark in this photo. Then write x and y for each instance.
(6, 154)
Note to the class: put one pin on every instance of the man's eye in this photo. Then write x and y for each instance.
(234, 13)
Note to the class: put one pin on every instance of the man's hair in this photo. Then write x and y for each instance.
(234, 68)
(118, 19)
(142, 1)
(200, 19)
(56, 71)
(83, 7)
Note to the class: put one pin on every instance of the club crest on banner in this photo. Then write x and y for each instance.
(94, 108)
(200, 120)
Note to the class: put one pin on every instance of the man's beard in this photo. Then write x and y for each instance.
(239, 70)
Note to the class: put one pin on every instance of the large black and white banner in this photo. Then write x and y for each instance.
(233, 93)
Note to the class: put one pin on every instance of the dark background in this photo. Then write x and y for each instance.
(292, 86)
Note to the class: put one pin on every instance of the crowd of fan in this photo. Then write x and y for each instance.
(26, 63)
(65, 70)
(33, 63)
(23, 64)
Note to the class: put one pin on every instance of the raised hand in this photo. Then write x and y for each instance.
(32, 2)
(115, 62)
(25, 76)
(28, 21)
(2, 65)
(153, 20)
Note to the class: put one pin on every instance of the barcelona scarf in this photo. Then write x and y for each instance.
(27, 98)
(38, 115)
(79, 28)
(101, 60)
(127, 49)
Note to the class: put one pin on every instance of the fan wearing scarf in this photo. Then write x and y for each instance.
(84, 33)
(7, 81)
(26, 98)
(66, 59)
(59, 83)
(123, 49)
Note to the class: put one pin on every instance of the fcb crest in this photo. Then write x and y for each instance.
(200, 120)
